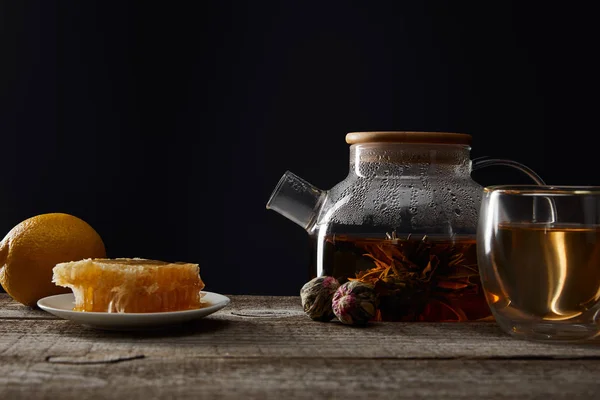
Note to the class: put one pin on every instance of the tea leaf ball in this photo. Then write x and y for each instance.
(355, 303)
(317, 297)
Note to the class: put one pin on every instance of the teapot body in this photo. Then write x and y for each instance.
(405, 220)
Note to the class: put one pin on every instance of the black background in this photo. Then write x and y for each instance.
(165, 125)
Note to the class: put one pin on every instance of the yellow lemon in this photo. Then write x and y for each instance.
(34, 246)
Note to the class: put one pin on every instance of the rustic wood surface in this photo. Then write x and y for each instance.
(265, 347)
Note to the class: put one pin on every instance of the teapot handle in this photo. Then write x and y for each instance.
(485, 161)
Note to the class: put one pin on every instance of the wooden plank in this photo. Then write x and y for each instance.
(10, 309)
(281, 378)
(251, 306)
(276, 327)
(229, 336)
(259, 326)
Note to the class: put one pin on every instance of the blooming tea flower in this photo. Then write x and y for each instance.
(355, 303)
(317, 297)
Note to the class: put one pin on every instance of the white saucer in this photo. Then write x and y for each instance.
(62, 306)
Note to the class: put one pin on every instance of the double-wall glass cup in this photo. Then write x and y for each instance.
(539, 259)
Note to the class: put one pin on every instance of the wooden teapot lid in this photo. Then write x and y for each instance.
(408, 137)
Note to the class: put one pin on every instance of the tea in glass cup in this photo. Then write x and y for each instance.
(539, 259)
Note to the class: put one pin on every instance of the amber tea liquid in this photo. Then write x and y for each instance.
(549, 272)
(417, 278)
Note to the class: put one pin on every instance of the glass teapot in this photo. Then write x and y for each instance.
(404, 220)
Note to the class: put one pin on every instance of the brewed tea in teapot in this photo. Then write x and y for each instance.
(404, 220)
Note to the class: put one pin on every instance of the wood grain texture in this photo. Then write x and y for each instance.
(12, 309)
(274, 378)
(265, 347)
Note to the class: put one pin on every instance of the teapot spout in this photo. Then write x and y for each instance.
(297, 200)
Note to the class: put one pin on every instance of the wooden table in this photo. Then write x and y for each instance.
(265, 347)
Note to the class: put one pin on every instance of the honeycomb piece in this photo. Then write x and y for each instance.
(131, 285)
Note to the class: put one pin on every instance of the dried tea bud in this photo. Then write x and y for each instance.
(355, 303)
(317, 295)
